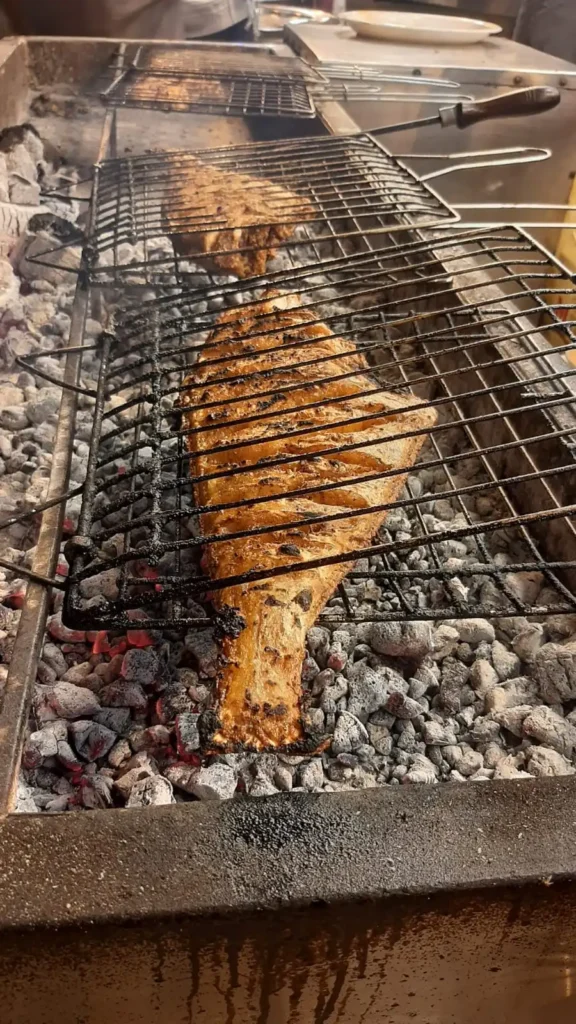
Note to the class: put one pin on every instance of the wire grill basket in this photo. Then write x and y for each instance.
(242, 83)
(486, 509)
(316, 198)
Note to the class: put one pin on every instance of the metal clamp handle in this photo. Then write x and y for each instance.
(568, 224)
(519, 103)
(480, 158)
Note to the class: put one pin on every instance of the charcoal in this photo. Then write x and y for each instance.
(124, 695)
(70, 701)
(150, 792)
(91, 740)
(116, 719)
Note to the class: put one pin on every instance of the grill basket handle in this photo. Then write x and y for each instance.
(520, 103)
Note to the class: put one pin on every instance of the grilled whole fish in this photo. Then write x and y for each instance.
(259, 686)
(255, 215)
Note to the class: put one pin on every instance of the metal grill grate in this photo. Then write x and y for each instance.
(460, 321)
(205, 61)
(349, 186)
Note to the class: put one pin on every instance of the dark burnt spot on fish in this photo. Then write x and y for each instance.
(229, 622)
(304, 599)
(274, 710)
(289, 549)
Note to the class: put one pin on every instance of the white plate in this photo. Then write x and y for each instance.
(410, 27)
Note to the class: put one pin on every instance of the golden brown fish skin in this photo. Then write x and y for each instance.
(259, 688)
(245, 207)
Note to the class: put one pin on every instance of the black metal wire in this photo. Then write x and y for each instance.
(470, 350)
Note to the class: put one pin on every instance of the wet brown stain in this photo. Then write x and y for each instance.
(194, 978)
(232, 954)
(347, 964)
(268, 980)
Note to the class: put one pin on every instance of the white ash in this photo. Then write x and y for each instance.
(408, 703)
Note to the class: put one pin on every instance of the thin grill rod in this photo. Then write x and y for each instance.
(348, 263)
(379, 257)
(374, 309)
(305, 164)
(385, 287)
(477, 569)
(552, 403)
(321, 403)
(292, 244)
(203, 324)
(474, 341)
(29, 574)
(331, 172)
(318, 320)
(379, 367)
(465, 570)
(304, 431)
(509, 361)
(330, 206)
(440, 462)
(388, 547)
(199, 585)
(402, 205)
(366, 346)
(348, 266)
(60, 499)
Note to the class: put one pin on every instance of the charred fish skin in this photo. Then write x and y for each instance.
(231, 211)
(348, 456)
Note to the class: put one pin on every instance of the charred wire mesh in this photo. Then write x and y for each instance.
(428, 323)
(214, 82)
(316, 198)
